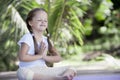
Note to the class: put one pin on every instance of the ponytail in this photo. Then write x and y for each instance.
(51, 49)
(50, 46)
(35, 45)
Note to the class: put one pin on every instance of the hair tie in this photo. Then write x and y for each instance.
(48, 35)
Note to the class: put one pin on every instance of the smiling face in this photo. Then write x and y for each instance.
(39, 22)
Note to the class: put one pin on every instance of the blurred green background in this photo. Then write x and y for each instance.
(83, 31)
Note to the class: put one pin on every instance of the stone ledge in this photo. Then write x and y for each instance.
(11, 75)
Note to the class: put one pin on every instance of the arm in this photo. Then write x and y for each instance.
(23, 56)
(54, 57)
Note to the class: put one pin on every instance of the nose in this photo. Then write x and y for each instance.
(42, 21)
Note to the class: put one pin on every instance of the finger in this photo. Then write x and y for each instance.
(43, 47)
(42, 44)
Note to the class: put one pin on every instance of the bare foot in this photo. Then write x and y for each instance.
(70, 74)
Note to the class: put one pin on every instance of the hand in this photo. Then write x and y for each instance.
(43, 49)
(52, 50)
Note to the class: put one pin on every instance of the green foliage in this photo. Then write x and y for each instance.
(64, 24)
(103, 11)
(13, 26)
(101, 24)
(75, 26)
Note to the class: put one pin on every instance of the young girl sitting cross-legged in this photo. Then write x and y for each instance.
(33, 52)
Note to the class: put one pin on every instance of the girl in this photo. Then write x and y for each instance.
(33, 51)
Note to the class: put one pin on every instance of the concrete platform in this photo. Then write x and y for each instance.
(81, 75)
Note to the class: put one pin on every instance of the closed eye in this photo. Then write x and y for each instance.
(45, 20)
(39, 20)
(42, 20)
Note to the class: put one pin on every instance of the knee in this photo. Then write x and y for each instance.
(25, 74)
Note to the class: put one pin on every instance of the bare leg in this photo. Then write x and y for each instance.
(41, 73)
(47, 77)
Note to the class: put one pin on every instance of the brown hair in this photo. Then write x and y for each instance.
(31, 14)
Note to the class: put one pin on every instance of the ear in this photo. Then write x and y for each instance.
(30, 23)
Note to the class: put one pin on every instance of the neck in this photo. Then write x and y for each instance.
(38, 34)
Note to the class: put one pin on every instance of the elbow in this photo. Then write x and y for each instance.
(21, 58)
(59, 59)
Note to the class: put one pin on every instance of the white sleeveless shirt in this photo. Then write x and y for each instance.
(28, 39)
